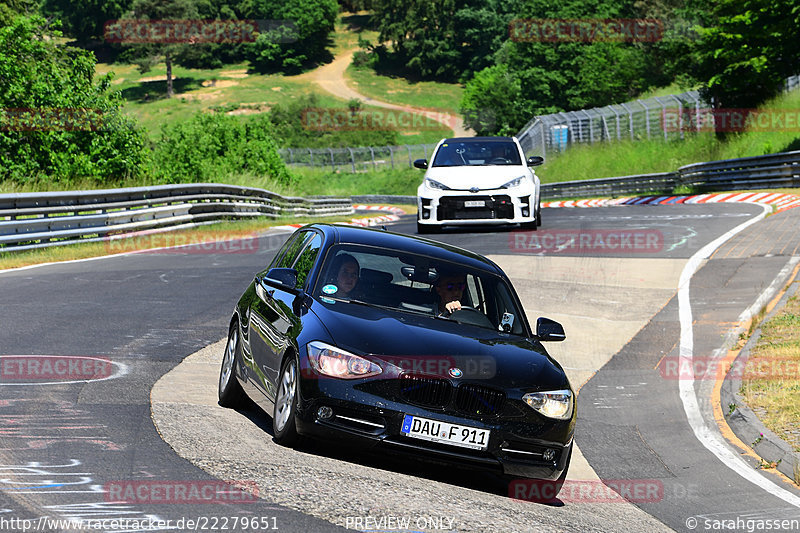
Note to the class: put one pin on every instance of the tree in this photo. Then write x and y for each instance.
(303, 40)
(444, 40)
(147, 55)
(493, 103)
(11, 8)
(56, 123)
(748, 51)
(546, 76)
(85, 19)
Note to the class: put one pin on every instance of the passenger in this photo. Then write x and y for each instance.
(449, 289)
(346, 269)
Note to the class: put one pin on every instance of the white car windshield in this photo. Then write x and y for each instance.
(477, 152)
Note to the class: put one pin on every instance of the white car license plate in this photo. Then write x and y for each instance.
(474, 203)
(444, 432)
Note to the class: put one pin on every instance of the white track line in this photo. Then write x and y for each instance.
(712, 440)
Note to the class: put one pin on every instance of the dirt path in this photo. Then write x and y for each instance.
(331, 78)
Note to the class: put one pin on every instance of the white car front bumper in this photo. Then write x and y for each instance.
(498, 206)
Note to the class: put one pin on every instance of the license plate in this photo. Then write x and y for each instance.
(444, 432)
(474, 203)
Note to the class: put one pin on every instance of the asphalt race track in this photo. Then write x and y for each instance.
(66, 448)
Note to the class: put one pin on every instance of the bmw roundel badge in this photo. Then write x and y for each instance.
(456, 372)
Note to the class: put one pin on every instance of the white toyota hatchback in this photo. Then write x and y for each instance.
(478, 180)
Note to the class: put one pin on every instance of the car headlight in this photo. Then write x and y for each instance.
(337, 363)
(552, 404)
(513, 183)
(433, 184)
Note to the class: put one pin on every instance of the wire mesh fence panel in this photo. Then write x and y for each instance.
(664, 117)
(357, 159)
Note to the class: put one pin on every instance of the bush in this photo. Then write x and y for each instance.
(56, 124)
(289, 127)
(210, 145)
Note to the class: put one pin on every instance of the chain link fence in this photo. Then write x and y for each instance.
(660, 117)
(360, 159)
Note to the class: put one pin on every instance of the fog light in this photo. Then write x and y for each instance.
(324, 413)
(549, 454)
(426, 214)
(525, 211)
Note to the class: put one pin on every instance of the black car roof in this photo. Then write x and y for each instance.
(341, 234)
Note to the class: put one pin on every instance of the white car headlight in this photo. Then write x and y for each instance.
(433, 184)
(513, 183)
(336, 363)
(552, 404)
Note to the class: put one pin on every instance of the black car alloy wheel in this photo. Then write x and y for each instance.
(283, 417)
(230, 391)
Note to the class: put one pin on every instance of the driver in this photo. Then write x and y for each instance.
(450, 289)
(498, 152)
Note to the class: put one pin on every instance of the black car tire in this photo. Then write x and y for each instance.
(230, 392)
(285, 411)
(529, 226)
(539, 216)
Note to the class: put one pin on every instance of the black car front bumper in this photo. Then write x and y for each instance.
(516, 445)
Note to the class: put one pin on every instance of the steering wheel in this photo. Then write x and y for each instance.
(499, 160)
(470, 315)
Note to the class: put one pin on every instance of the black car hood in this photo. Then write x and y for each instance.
(511, 361)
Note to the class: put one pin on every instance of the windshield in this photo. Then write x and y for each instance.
(477, 153)
(410, 283)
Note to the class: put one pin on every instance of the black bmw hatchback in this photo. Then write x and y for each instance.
(400, 343)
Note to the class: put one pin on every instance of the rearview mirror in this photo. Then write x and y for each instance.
(421, 163)
(549, 330)
(535, 160)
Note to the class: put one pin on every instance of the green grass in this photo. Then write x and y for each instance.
(611, 159)
(401, 91)
(204, 89)
(770, 383)
(349, 27)
(237, 90)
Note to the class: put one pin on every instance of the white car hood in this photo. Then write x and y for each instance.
(483, 177)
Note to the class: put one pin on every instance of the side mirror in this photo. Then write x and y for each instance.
(549, 330)
(421, 163)
(535, 160)
(282, 278)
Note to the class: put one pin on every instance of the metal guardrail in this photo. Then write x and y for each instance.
(37, 220)
(645, 183)
(759, 172)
